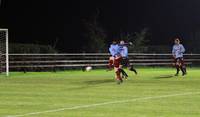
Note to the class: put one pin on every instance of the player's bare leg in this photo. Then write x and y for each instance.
(118, 75)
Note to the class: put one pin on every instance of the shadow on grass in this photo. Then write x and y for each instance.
(97, 82)
(164, 76)
(92, 83)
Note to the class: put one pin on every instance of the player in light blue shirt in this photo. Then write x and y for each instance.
(177, 52)
(123, 50)
(114, 49)
(114, 52)
(124, 53)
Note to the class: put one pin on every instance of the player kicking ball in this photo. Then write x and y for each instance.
(177, 52)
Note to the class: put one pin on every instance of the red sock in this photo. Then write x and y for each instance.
(118, 75)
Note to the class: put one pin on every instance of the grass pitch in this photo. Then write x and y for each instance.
(152, 93)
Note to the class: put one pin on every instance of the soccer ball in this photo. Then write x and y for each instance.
(88, 68)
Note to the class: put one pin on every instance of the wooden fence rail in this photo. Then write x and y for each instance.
(32, 62)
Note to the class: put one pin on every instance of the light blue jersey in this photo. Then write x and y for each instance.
(178, 50)
(124, 51)
(114, 49)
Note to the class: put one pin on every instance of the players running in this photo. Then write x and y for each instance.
(119, 59)
(124, 53)
(177, 52)
(114, 61)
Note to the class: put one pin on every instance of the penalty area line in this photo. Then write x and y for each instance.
(104, 103)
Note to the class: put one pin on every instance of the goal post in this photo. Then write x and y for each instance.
(4, 52)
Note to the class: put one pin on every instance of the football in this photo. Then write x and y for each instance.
(88, 68)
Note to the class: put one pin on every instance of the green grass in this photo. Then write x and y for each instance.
(43, 91)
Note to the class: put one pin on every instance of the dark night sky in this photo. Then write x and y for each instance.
(42, 21)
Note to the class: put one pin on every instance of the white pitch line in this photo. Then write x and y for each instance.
(104, 103)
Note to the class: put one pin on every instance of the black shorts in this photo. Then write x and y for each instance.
(125, 62)
(180, 60)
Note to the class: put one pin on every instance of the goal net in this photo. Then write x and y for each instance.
(4, 60)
